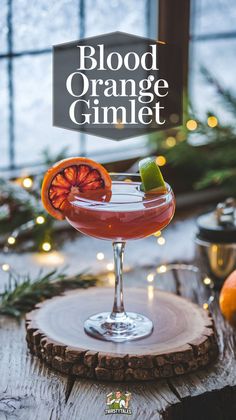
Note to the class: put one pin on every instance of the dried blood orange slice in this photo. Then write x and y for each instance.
(77, 176)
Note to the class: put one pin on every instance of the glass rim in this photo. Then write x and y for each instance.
(152, 199)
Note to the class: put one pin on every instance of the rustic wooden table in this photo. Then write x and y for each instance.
(29, 390)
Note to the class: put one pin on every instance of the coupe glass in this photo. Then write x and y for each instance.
(126, 214)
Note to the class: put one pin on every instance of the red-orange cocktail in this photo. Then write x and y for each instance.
(112, 207)
(130, 213)
(124, 213)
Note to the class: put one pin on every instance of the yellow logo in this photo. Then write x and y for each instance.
(118, 403)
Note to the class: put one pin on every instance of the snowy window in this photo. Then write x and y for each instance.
(28, 29)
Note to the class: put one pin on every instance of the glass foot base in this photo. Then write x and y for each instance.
(124, 327)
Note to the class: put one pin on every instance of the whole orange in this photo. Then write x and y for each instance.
(228, 298)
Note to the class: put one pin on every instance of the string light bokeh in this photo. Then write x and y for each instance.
(27, 182)
(206, 281)
(160, 160)
(212, 121)
(191, 125)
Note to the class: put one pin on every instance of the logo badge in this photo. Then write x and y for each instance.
(118, 403)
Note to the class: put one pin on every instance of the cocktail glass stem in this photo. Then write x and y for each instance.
(118, 310)
(118, 325)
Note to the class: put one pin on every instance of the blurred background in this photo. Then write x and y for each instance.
(206, 31)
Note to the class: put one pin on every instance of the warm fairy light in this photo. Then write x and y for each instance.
(5, 267)
(11, 240)
(110, 266)
(150, 277)
(157, 234)
(161, 241)
(53, 258)
(170, 141)
(150, 292)
(128, 180)
(161, 269)
(220, 261)
(191, 125)
(46, 246)
(40, 220)
(212, 121)
(100, 256)
(161, 160)
(205, 306)
(27, 182)
(111, 279)
(207, 281)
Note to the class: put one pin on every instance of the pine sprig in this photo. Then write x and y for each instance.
(19, 205)
(218, 177)
(225, 95)
(206, 156)
(22, 293)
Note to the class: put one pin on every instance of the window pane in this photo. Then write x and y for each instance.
(219, 58)
(3, 26)
(213, 16)
(102, 146)
(33, 108)
(40, 24)
(3, 115)
(116, 15)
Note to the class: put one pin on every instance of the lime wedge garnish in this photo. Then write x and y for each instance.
(152, 179)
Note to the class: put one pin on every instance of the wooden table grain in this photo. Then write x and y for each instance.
(29, 390)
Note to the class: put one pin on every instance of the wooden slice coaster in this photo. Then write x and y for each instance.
(183, 339)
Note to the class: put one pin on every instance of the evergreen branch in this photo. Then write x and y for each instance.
(216, 177)
(49, 158)
(22, 293)
(13, 194)
(225, 94)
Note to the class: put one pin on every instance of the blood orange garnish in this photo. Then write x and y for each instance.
(76, 176)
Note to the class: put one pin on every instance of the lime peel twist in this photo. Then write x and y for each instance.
(152, 179)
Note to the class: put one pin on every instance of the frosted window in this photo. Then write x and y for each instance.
(40, 24)
(213, 16)
(36, 26)
(213, 47)
(33, 111)
(116, 15)
(4, 145)
(219, 57)
(3, 26)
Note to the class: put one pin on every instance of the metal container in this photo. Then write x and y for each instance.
(216, 241)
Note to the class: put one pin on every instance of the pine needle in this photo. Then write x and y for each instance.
(22, 293)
